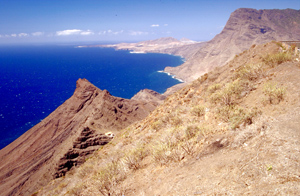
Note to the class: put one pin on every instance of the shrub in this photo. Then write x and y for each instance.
(163, 153)
(213, 88)
(188, 147)
(227, 95)
(249, 72)
(108, 177)
(198, 111)
(191, 131)
(274, 93)
(175, 120)
(223, 113)
(277, 58)
(231, 91)
(166, 150)
(133, 159)
(156, 125)
(236, 115)
(241, 116)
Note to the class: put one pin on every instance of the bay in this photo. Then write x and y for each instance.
(35, 80)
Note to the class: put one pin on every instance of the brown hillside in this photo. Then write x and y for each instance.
(233, 131)
(244, 28)
(65, 138)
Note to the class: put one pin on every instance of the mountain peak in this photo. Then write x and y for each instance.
(66, 137)
(245, 27)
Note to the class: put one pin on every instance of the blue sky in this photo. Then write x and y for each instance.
(26, 21)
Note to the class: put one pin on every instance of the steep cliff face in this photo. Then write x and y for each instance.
(65, 137)
(233, 131)
(244, 28)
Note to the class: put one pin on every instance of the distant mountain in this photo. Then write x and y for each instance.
(233, 131)
(169, 45)
(66, 137)
(90, 118)
(163, 40)
(244, 28)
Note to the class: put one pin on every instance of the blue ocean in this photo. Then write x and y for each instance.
(35, 80)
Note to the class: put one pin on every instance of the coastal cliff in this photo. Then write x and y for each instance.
(66, 138)
(244, 28)
(233, 131)
(212, 120)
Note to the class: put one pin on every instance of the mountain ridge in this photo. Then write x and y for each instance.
(48, 149)
(38, 155)
(232, 131)
(244, 28)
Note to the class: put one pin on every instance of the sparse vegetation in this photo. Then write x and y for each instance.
(178, 131)
(274, 94)
(213, 88)
(198, 110)
(250, 72)
(109, 176)
(134, 157)
(277, 58)
(228, 94)
(191, 131)
(166, 151)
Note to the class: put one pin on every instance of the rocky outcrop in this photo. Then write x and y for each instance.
(244, 28)
(88, 142)
(63, 139)
(149, 96)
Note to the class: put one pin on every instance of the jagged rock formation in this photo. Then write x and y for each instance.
(219, 135)
(244, 28)
(88, 142)
(62, 139)
(50, 148)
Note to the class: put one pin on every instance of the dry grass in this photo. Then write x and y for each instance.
(274, 93)
(177, 130)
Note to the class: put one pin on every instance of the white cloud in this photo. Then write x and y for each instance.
(13, 35)
(102, 33)
(110, 32)
(138, 33)
(68, 32)
(88, 32)
(37, 33)
(22, 34)
(118, 32)
(155, 25)
(74, 32)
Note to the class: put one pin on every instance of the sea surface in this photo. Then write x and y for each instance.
(35, 80)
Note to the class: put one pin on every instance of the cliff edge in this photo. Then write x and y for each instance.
(244, 28)
(66, 137)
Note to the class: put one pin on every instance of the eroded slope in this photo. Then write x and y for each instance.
(233, 131)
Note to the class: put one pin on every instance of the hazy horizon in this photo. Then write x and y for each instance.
(68, 21)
